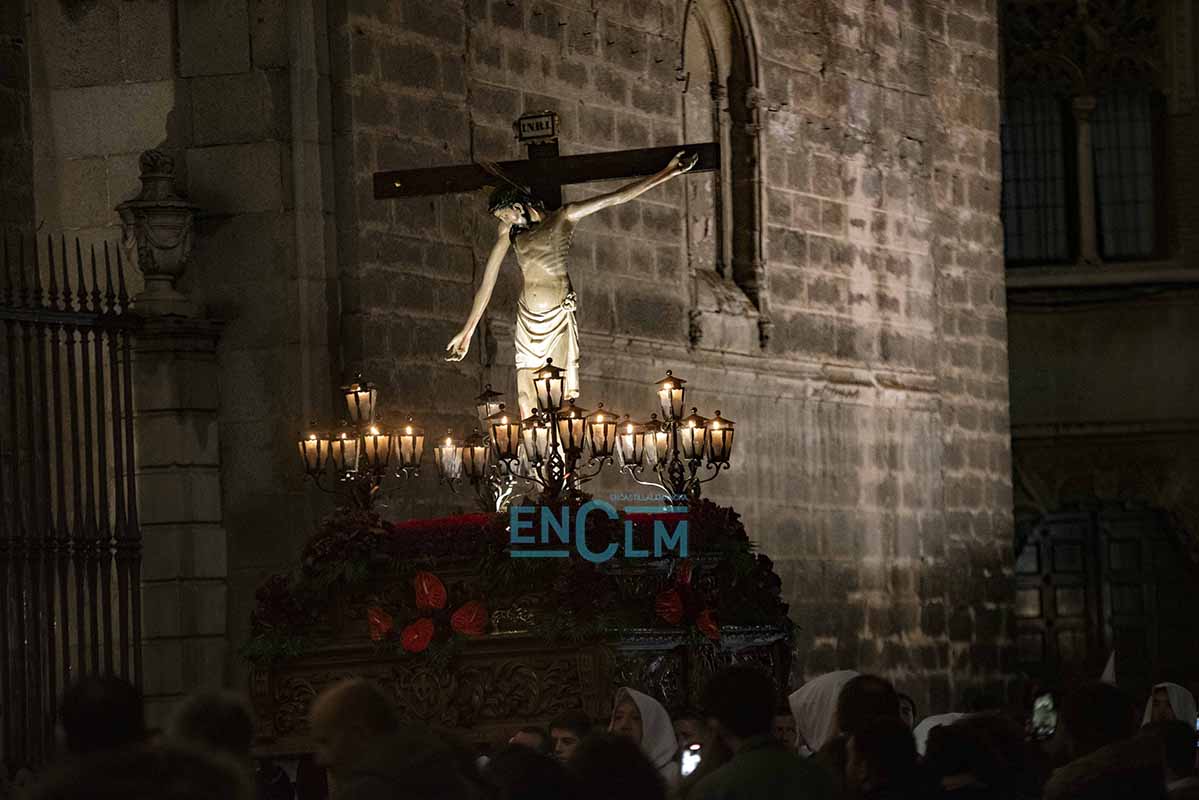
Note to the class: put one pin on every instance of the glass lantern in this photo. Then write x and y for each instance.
(505, 431)
(487, 404)
(360, 401)
(572, 426)
(671, 393)
(535, 433)
(410, 445)
(376, 448)
(549, 384)
(343, 450)
(314, 452)
(447, 457)
(474, 456)
(691, 433)
(632, 441)
(602, 429)
(720, 439)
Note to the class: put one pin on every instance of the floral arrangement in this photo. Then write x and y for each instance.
(429, 585)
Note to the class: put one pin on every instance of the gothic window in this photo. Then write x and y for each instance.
(1081, 132)
(724, 230)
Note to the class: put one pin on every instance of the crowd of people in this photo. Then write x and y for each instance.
(844, 736)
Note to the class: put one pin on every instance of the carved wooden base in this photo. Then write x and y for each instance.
(498, 683)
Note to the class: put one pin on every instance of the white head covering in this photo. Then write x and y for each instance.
(658, 741)
(1182, 701)
(925, 726)
(814, 706)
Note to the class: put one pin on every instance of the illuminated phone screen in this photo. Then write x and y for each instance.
(691, 759)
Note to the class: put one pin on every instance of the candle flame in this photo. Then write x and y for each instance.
(690, 423)
(448, 441)
(668, 386)
(715, 426)
(312, 437)
(503, 420)
(599, 417)
(628, 429)
(408, 430)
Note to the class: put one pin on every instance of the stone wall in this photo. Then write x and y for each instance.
(211, 82)
(873, 461)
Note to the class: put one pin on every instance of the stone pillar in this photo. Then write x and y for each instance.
(184, 570)
(176, 398)
(1088, 240)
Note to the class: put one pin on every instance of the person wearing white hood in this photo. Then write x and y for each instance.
(643, 719)
(814, 706)
(1170, 701)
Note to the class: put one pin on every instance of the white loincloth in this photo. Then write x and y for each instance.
(549, 334)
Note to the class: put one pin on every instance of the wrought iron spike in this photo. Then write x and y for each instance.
(7, 293)
(24, 301)
(96, 296)
(67, 302)
(122, 294)
(52, 295)
(110, 296)
(37, 275)
(81, 289)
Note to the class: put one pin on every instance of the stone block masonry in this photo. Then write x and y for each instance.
(874, 463)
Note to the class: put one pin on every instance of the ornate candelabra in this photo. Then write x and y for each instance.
(359, 455)
(675, 447)
(553, 452)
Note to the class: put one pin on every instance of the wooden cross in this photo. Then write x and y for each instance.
(545, 172)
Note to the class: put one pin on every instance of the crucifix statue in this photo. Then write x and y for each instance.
(533, 222)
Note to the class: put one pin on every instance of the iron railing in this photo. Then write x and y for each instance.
(70, 544)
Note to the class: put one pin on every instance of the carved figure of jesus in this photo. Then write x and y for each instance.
(545, 313)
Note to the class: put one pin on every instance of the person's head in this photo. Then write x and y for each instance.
(881, 752)
(514, 206)
(1178, 745)
(1161, 710)
(608, 766)
(907, 710)
(785, 732)
(566, 731)
(689, 728)
(101, 713)
(626, 719)
(739, 703)
(532, 737)
(344, 718)
(220, 721)
(863, 700)
(1092, 716)
(520, 772)
(163, 772)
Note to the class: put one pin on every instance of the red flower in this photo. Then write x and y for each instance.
(682, 576)
(707, 625)
(470, 620)
(381, 623)
(416, 637)
(430, 591)
(669, 605)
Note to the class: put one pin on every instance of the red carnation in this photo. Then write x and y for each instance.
(669, 605)
(470, 620)
(706, 623)
(416, 637)
(430, 591)
(381, 623)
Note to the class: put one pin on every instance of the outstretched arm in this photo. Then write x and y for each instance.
(456, 349)
(677, 166)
